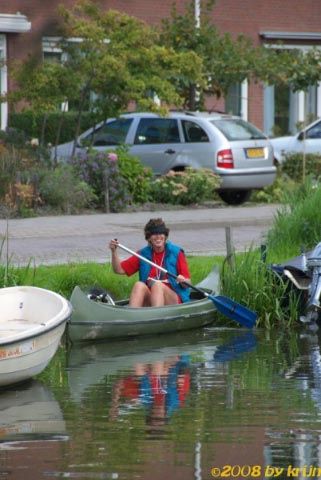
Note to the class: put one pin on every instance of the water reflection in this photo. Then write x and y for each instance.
(161, 387)
(31, 421)
(299, 435)
(151, 371)
(29, 412)
(173, 407)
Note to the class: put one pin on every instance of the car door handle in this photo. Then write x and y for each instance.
(170, 151)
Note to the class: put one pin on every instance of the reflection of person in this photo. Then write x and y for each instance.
(161, 387)
(155, 288)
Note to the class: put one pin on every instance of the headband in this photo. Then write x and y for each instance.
(157, 229)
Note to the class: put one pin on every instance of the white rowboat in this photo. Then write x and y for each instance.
(32, 322)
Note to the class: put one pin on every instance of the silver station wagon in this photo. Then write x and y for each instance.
(234, 149)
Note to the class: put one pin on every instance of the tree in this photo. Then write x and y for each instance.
(42, 86)
(224, 60)
(227, 61)
(110, 60)
(119, 58)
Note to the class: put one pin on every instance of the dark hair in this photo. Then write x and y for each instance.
(154, 226)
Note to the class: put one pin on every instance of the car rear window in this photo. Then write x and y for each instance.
(111, 133)
(238, 129)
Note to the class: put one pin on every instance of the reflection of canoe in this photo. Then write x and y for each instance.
(93, 320)
(31, 325)
(30, 411)
(89, 364)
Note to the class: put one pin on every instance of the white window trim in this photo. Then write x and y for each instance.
(245, 100)
(16, 23)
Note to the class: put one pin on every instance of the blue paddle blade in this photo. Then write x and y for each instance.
(244, 343)
(234, 310)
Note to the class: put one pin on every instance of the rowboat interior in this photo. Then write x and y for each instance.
(27, 310)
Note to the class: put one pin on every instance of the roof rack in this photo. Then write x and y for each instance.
(196, 113)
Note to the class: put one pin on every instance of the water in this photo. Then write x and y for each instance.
(212, 403)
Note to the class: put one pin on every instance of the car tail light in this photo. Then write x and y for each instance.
(225, 159)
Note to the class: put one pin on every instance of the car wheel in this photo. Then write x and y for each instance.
(234, 197)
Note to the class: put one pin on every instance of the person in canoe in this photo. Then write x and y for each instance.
(154, 287)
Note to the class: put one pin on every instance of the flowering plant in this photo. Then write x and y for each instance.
(100, 170)
(186, 187)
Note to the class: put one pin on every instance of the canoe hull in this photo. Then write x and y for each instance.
(30, 332)
(98, 321)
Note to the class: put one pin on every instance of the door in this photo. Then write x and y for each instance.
(157, 143)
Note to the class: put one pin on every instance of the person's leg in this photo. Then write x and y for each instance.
(140, 296)
(161, 295)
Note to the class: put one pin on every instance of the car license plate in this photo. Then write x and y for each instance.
(255, 152)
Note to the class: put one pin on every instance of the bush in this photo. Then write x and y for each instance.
(19, 164)
(61, 188)
(32, 124)
(138, 177)
(185, 188)
(293, 166)
(117, 178)
(276, 192)
(100, 170)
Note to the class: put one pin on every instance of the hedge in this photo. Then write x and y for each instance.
(32, 124)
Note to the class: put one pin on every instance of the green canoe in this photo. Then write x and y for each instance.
(94, 320)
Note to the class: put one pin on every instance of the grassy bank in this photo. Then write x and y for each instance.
(248, 280)
(63, 278)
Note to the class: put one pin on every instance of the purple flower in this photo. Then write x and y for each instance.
(112, 157)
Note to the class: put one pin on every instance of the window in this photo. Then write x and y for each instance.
(233, 100)
(284, 105)
(311, 104)
(111, 133)
(314, 132)
(193, 133)
(238, 129)
(157, 130)
(284, 109)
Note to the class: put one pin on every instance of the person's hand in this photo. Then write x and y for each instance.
(113, 244)
(182, 279)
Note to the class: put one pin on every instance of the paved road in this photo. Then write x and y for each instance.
(61, 239)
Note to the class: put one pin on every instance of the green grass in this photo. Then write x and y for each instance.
(63, 278)
(251, 282)
(298, 223)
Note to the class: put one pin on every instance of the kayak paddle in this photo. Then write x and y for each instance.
(224, 305)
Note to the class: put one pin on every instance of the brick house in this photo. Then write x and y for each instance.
(32, 27)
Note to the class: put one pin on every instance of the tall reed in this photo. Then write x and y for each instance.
(297, 224)
(12, 275)
(252, 282)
